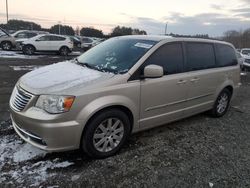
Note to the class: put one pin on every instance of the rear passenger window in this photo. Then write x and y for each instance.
(226, 55)
(200, 56)
(169, 56)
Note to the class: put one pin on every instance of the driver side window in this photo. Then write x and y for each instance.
(169, 56)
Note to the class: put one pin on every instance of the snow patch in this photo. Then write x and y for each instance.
(14, 152)
(75, 177)
(64, 74)
(27, 152)
(25, 67)
(17, 55)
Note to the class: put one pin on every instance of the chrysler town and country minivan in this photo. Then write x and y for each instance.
(122, 86)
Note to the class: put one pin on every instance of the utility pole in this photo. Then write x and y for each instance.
(59, 27)
(7, 12)
(166, 28)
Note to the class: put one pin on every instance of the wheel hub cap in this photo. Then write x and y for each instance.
(108, 135)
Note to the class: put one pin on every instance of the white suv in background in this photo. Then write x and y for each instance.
(245, 52)
(48, 43)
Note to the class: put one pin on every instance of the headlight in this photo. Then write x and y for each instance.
(55, 104)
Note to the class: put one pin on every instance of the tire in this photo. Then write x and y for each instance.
(64, 51)
(222, 103)
(29, 49)
(6, 45)
(106, 133)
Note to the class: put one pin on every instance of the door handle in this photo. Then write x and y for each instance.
(182, 82)
(194, 79)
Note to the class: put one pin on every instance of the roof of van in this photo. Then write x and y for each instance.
(159, 38)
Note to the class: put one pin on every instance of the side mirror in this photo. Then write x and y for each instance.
(153, 71)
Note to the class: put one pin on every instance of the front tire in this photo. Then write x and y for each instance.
(6, 45)
(64, 51)
(106, 133)
(222, 103)
(29, 50)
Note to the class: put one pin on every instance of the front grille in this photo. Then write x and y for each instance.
(20, 99)
(247, 60)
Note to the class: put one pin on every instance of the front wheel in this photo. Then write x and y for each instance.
(64, 51)
(29, 50)
(106, 133)
(6, 45)
(222, 103)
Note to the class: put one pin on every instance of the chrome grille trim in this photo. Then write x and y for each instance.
(20, 98)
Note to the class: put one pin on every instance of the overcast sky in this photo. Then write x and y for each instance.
(211, 17)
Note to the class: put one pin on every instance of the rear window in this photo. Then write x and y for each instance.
(200, 56)
(226, 55)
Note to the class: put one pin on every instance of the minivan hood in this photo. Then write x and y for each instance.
(60, 76)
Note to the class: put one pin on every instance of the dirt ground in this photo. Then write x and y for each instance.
(196, 152)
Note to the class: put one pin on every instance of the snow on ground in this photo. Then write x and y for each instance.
(17, 55)
(25, 67)
(29, 162)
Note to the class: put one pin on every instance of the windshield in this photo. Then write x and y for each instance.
(2, 33)
(245, 52)
(116, 55)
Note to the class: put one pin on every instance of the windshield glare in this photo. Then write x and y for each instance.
(116, 55)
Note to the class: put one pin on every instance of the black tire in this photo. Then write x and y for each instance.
(64, 51)
(219, 109)
(29, 49)
(89, 143)
(6, 45)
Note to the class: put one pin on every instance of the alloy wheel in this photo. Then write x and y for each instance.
(108, 135)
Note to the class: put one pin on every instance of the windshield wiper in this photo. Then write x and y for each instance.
(86, 65)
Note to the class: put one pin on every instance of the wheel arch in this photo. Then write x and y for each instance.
(30, 45)
(102, 104)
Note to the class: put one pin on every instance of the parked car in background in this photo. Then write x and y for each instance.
(240, 59)
(7, 42)
(122, 86)
(23, 35)
(76, 41)
(245, 53)
(48, 43)
(86, 43)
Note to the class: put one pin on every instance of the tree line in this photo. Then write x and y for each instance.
(240, 39)
(15, 25)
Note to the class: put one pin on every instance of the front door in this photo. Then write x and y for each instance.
(163, 99)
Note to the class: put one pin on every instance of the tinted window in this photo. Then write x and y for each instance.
(169, 56)
(21, 35)
(87, 40)
(226, 55)
(44, 38)
(57, 38)
(30, 35)
(200, 56)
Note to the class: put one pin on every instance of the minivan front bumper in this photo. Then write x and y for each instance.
(51, 135)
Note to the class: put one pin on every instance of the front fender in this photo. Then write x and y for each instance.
(108, 101)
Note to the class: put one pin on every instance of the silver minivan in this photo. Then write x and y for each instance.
(122, 86)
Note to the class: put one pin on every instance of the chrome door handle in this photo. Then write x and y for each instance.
(194, 79)
(182, 82)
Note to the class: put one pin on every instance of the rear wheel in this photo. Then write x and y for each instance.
(64, 51)
(106, 133)
(29, 50)
(6, 45)
(222, 103)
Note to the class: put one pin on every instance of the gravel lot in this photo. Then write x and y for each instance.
(196, 152)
